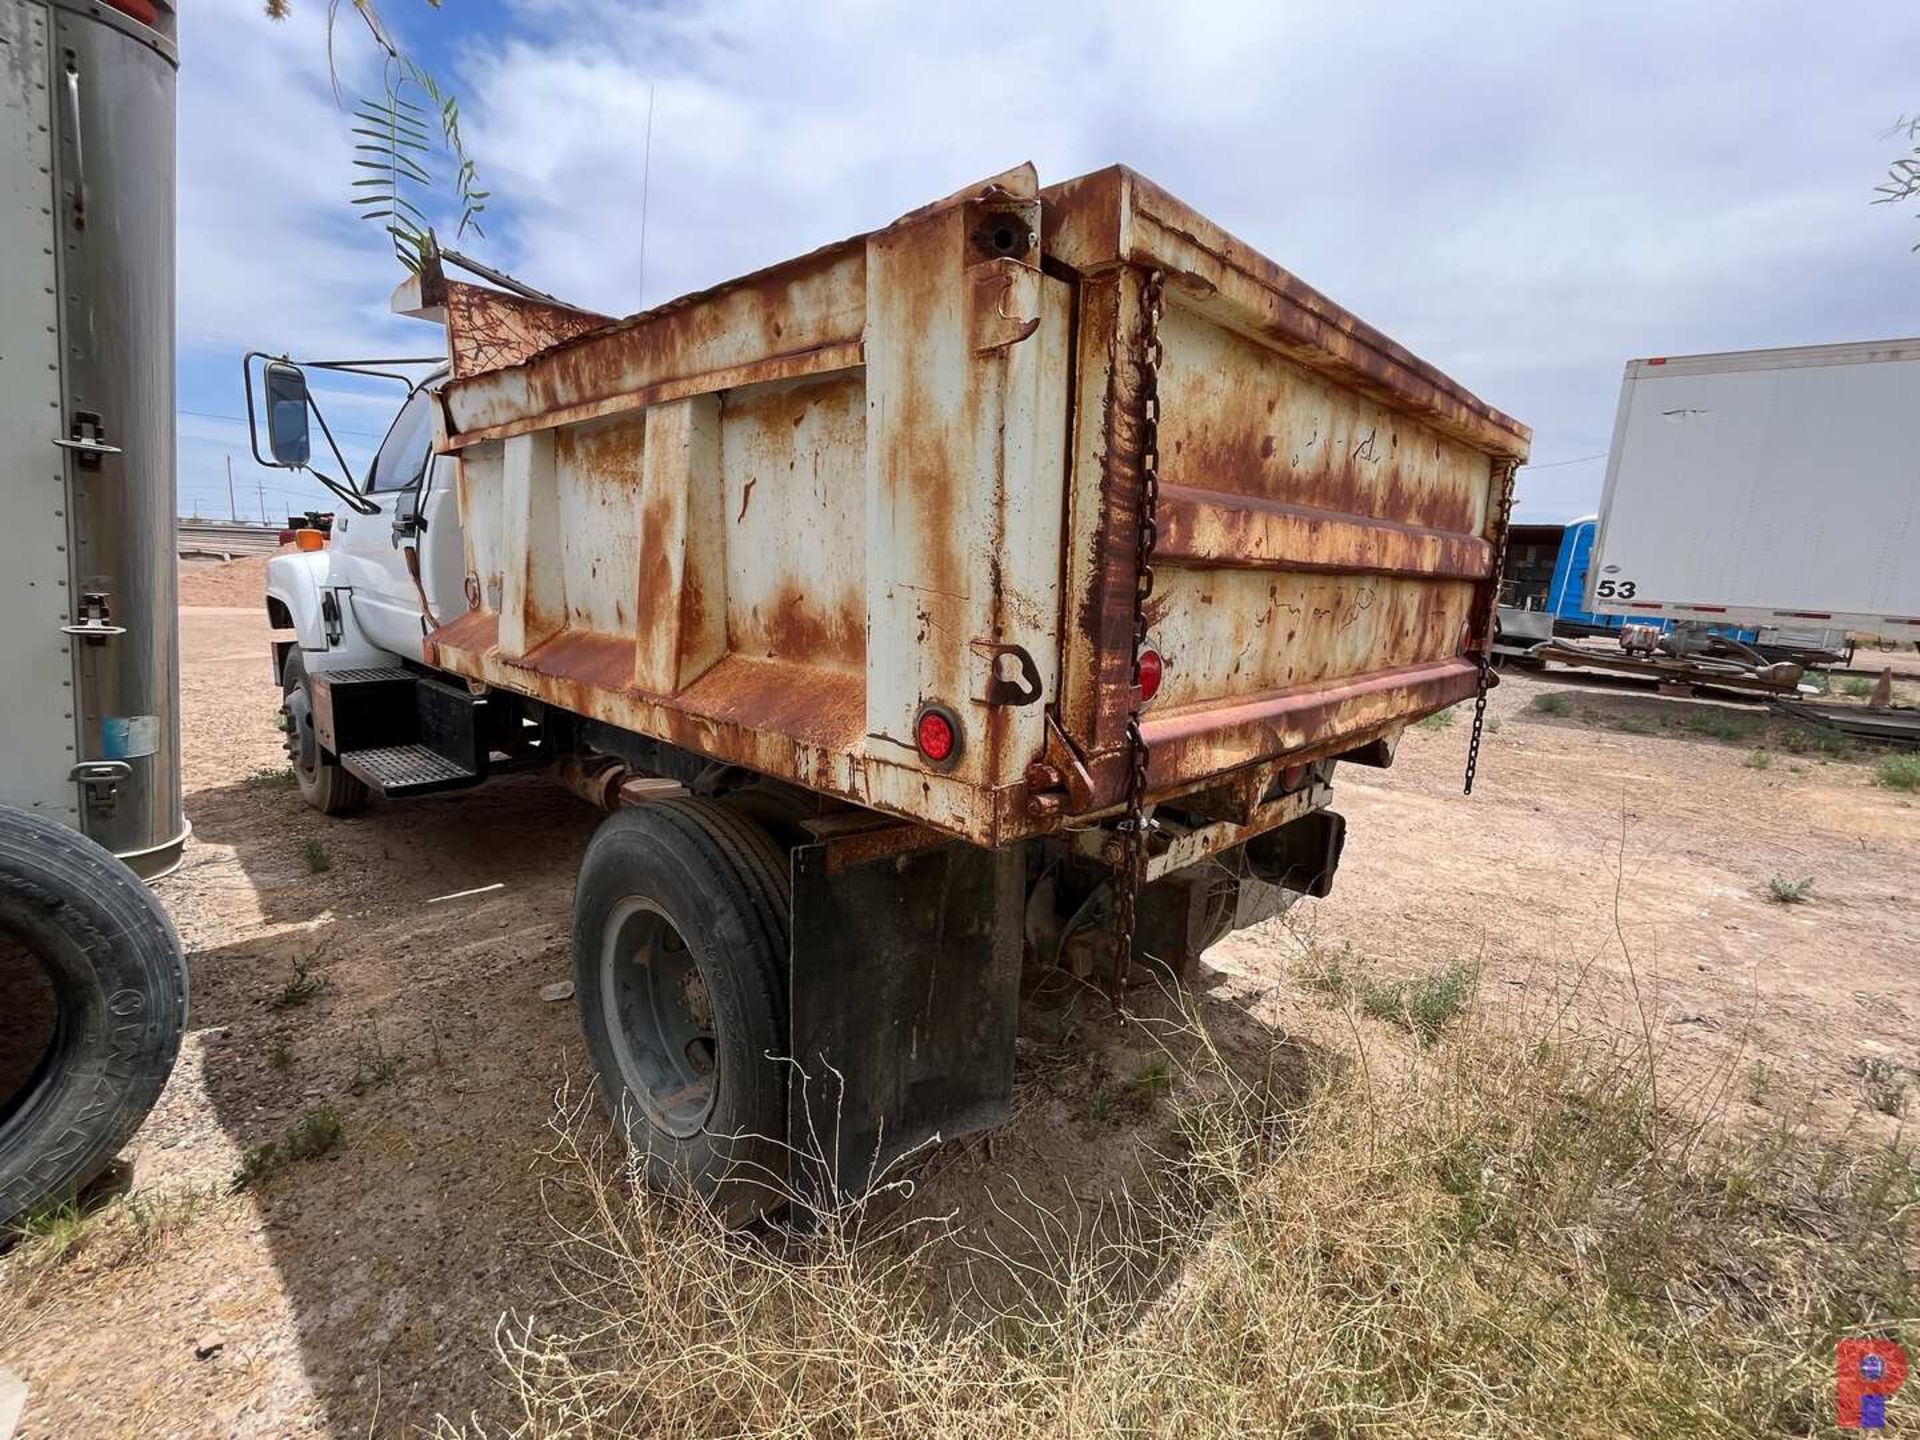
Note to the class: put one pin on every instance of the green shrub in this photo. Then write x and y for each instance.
(1898, 772)
(1423, 1005)
(1789, 892)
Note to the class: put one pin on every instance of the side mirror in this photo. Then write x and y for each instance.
(287, 437)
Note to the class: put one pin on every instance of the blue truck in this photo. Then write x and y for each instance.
(1544, 596)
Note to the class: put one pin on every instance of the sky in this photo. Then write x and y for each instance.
(1526, 194)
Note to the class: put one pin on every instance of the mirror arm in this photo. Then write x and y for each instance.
(253, 428)
(356, 502)
(332, 444)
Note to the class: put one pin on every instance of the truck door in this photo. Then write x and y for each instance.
(418, 510)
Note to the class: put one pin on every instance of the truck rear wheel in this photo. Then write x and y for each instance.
(323, 783)
(680, 946)
(93, 999)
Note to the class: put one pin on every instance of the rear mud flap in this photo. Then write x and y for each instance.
(904, 999)
(1301, 855)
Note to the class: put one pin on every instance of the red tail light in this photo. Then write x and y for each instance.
(937, 734)
(1149, 670)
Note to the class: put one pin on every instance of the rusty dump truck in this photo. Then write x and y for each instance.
(1000, 587)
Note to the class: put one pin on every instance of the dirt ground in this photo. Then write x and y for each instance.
(390, 967)
(239, 583)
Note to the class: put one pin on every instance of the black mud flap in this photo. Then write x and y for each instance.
(905, 996)
(1302, 854)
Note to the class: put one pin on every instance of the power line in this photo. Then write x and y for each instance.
(1556, 464)
(646, 184)
(241, 420)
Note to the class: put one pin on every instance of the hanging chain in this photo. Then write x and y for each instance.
(1133, 830)
(1507, 470)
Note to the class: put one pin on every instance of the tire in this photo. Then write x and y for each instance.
(777, 809)
(93, 1001)
(680, 940)
(323, 784)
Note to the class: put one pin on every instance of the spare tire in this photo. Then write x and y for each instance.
(93, 1000)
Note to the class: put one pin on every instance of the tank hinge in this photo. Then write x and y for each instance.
(95, 625)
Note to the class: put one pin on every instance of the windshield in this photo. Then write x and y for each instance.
(403, 454)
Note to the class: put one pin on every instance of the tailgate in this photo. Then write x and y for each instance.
(1327, 513)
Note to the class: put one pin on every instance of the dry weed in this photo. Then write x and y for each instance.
(1504, 1240)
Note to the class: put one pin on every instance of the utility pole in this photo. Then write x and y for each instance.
(233, 510)
(261, 486)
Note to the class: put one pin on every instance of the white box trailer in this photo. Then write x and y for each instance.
(1767, 488)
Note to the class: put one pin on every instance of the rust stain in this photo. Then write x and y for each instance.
(493, 330)
(803, 702)
(1241, 418)
(600, 662)
(1251, 531)
(725, 335)
(857, 848)
(659, 556)
(477, 632)
(1112, 323)
(1088, 227)
(792, 627)
(1300, 721)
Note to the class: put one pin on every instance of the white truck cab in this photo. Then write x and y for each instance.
(363, 601)
(365, 565)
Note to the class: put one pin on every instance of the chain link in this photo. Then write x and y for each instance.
(1508, 469)
(1134, 829)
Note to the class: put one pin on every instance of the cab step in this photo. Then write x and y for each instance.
(401, 732)
(399, 770)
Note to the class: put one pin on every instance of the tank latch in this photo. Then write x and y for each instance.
(95, 625)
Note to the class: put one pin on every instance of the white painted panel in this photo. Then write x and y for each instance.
(597, 491)
(533, 596)
(481, 472)
(36, 703)
(793, 473)
(1766, 483)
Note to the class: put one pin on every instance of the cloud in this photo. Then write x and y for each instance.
(270, 256)
(1525, 194)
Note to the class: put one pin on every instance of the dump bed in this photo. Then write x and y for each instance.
(775, 521)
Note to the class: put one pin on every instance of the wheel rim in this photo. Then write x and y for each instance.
(659, 1014)
(31, 1024)
(302, 750)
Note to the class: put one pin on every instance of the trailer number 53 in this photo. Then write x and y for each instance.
(1616, 589)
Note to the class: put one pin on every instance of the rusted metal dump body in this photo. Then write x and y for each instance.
(771, 522)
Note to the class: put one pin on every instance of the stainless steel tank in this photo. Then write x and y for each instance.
(91, 722)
